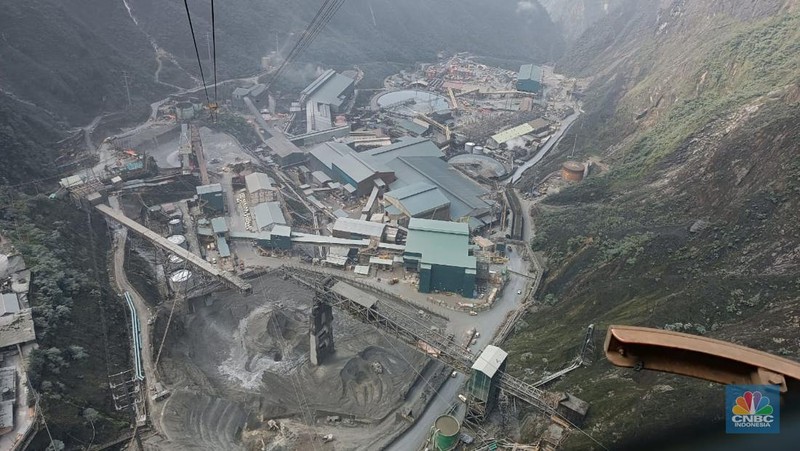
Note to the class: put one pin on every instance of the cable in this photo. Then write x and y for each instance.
(214, 48)
(196, 51)
(318, 23)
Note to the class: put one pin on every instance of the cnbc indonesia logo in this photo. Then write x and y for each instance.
(752, 409)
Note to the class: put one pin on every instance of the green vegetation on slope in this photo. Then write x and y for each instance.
(80, 322)
(717, 150)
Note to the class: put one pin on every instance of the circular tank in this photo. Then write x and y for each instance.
(175, 226)
(469, 147)
(180, 240)
(446, 433)
(478, 150)
(572, 171)
(181, 275)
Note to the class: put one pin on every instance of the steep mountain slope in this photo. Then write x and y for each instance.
(694, 228)
(66, 62)
(575, 16)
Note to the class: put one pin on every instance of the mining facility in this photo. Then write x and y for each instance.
(348, 280)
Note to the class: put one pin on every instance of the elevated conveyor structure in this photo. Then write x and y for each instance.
(228, 279)
(415, 333)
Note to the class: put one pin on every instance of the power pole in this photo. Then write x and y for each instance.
(127, 86)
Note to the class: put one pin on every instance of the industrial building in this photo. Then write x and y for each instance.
(344, 165)
(418, 200)
(534, 127)
(529, 78)
(219, 227)
(9, 304)
(268, 215)
(356, 229)
(324, 98)
(482, 386)
(439, 252)
(260, 188)
(257, 93)
(407, 163)
(211, 198)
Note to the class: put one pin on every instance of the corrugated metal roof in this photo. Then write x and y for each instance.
(464, 194)
(530, 72)
(10, 304)
(511, 133)
(321, 177)
(208, 189)
(282, 230)
(218, 225)
(329, 152)
(361, 270)
(412, 127)
(490, 360)
(354, 167)
(268, 214)
(430, 225)
(359, 227)
(258, 181)
(222, 247)
(440, 243)
(381, 261)
(406, 147)
(16, 328)
(329, 88)
(419, 198)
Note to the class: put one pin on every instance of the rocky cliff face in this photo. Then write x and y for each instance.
(693, 107)
(575, 16)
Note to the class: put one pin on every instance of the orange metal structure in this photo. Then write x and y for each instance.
(700, 357)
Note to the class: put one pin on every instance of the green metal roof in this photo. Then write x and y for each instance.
(218, 225)
(222, 247)
(440, 243)
(419, 198)
(530, 72)
(207, 189)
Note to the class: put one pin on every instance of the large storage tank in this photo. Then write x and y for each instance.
(181, 280)
(175, 226)
(446, 433)
(180, 240)
(478, 150)
(468, 147)
(572, 171)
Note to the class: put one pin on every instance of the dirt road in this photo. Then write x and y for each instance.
(142, 310)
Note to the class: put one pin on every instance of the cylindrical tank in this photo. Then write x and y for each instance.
(468, 147)
(478, 150)
(176, 226)
(446, 433)
(572, 171)
(181, 280)
(180, 240)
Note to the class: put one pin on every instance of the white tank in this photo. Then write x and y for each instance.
(181, 275)
(469, 147)
(176, 226)
(478, 150)
(179, 240)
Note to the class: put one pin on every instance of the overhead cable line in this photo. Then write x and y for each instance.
(196, 51)
(318, 23)
(213, 106)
